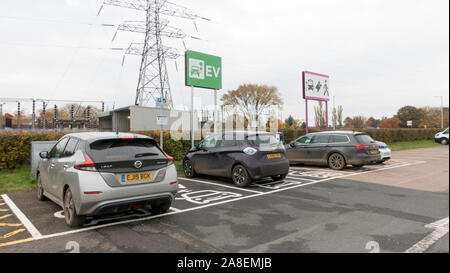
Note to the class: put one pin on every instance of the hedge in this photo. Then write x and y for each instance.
(15, 147)
(384, 135)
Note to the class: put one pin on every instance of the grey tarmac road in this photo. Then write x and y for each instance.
(315, 210)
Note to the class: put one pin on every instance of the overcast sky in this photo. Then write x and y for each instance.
(380, 54)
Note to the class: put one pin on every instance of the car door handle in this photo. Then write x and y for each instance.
(52, 165)
(66, 166)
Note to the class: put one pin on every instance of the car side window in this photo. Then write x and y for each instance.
(58, 149)
(321, 139)
(303, 141)
(70, 147)
(210, 142)
(339, 139)
(228, 143)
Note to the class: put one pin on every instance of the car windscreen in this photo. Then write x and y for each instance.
(107, 150)
(364, 139)
(263, 140)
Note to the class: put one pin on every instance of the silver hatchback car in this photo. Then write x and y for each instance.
(103, 174)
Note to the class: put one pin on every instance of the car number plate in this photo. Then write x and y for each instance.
(270, 156)
(373, 152)
(136, 177)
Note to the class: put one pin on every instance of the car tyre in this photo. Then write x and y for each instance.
(188, 169)
(161, 208)
(444, 141)
(279, 177)
(240, 176)
(336, 161)
(70, 213)
(40, 189)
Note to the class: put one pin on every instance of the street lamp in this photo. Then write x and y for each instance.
(442, 110)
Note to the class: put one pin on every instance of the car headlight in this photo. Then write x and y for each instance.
(250, 151)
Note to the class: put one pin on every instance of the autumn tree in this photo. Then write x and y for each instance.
(390, 123)
(372, 122)
(252, 99)
(408, 113)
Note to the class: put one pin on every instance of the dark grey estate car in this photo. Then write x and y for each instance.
(242, 156)
(335, 149)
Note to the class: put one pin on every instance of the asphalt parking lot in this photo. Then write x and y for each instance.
(377, 208)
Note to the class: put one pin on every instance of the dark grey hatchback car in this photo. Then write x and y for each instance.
(241, 156)
(335, 149)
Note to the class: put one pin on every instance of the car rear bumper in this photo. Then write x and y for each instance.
(127, 205)
(385, 154)
(361, 159)
(96, 197)
(265, 169)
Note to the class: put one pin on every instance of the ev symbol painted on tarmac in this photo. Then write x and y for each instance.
(373, 246)
(204, 196)
(59, 214)
(73, 246)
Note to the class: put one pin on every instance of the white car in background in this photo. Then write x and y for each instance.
(442, 137)
(385, 152)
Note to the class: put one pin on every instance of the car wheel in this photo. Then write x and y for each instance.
(279, 177)
(40, 189)
(336, 161)
(444, 141)
(70, 213)
(240, 176)
(188, 169)
(161, 208)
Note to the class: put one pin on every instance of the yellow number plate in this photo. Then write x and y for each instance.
(273, 156)
(136, 177)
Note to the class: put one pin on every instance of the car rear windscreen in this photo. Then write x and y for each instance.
(263, 140)
(364, 139)
(107, 150)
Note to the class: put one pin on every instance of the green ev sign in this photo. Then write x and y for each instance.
(203, 70)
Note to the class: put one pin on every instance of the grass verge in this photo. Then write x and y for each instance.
(19, 179)
(409, 145)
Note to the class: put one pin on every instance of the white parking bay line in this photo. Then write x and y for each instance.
(218, 185)
(25, 221)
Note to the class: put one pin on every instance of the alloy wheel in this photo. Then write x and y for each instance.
(337, 162)
(239, 176)
(187, 167)
(69, 207)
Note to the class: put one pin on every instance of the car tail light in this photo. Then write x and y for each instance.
(361, 147)
(88, 165)
(170, 159)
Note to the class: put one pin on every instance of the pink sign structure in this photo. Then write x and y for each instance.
(316, 87)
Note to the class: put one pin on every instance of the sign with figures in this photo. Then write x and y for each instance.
(316, 86)
(203, 70)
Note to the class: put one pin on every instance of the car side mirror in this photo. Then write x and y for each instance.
(43, 155)
(292, 144)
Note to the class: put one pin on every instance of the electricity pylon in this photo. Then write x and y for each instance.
(153, 80)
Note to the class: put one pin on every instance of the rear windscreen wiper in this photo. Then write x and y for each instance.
(146, 154)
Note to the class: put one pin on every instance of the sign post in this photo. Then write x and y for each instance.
(316, 87)
(204, 71)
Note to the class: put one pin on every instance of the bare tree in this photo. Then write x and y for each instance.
(252, 99)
